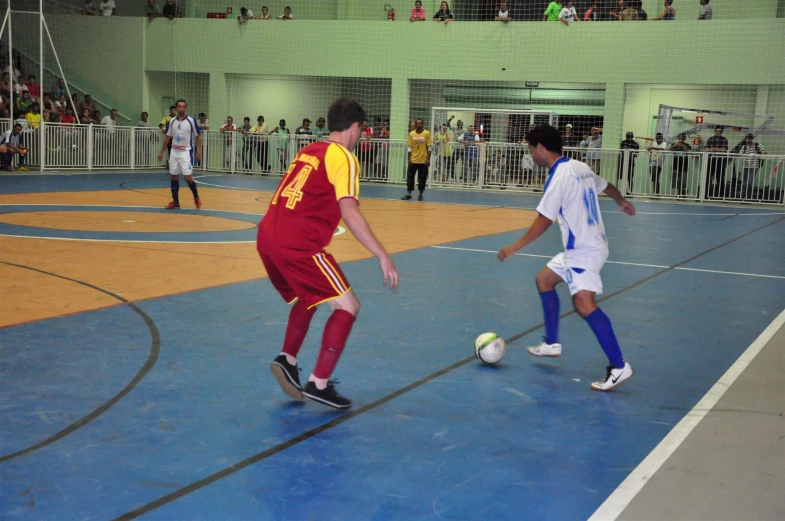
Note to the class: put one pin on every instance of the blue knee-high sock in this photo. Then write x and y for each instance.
(194, 191)
(550, 308)
(603, 330)
(176, 191)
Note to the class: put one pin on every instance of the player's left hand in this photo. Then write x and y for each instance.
(627, 208)
(505, 252)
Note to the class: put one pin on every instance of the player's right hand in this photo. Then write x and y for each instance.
(627, 208)
(389, 271)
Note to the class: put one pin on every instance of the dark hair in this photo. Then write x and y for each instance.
(143, 113)
(287, 7)
(547, 136)
(658, 134)
(18, 125)
(419, 119)
(246, 118)
(180, 101)
(343, 113)
(202, 114)
(172, 107)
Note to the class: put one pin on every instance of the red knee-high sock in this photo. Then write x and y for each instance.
(299, 321)
(336, 332)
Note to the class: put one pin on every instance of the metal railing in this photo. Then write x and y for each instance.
(692, 176)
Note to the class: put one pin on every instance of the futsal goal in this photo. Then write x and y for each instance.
(485, 148)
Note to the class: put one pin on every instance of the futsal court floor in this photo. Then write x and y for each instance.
(135, 345)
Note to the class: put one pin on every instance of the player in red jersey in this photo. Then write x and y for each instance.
(320, 187)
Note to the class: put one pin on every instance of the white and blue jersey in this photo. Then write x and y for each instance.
(183, 132)
(570, 195)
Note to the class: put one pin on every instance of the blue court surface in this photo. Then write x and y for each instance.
(200, 430)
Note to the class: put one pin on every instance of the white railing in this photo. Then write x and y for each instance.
(693, 176)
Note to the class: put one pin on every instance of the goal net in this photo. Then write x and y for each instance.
(485, 148)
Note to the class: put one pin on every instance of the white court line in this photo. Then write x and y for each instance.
(625, 263)
(126, 240)
(124, 206)
(547, 256)
(630, 487)
(733, 273)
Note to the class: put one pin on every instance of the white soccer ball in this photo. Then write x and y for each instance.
(489, 348)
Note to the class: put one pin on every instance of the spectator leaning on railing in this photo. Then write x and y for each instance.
(170, 10)
(107, 7)
(706, 11)
(287, 14)
(418, 13)
(151, 10)
(552, 12)
(443, 14)
(503, 14)
(89, 9)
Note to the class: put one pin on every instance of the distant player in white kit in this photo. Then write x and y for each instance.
(182, 131)
(570, 195)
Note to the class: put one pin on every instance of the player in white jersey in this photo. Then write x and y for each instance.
(570, 195)
(182, 131)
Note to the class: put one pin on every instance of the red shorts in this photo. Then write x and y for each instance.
(313, 280)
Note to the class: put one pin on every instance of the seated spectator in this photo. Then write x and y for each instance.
(61, 104)
(111, 119)
(87, 104)
(170, 10)
(68, 118)
(96, 117)
(89, 9)
(12, 142)
(287, 14)
(24, 102)
(17, 73)
(443, 14)
(245, 15)
(48, 108)
(74, 100)
(151, 10)
(706, 11)
(628, 10)
(143, 122)
(85, 118)
(503, 14)
(265, 14)
(34, 116)
(34, 88)
(418, 13)
(591, 13)
(568, 13)
(59, 89)
(668, 13)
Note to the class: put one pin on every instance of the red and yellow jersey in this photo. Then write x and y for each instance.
(304, 212)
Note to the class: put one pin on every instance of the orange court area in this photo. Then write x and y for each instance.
(150, 269)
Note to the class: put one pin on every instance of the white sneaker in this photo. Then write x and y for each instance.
(614, 377)
(543, 349)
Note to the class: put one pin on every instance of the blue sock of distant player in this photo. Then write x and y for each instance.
(603, 330)
(176, 191)
(194, 191)
(550, 308)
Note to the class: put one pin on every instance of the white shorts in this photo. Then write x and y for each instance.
(577, 278)
(181, 162)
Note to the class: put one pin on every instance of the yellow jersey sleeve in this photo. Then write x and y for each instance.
(343, 171)
(428, 140)
(410, 142)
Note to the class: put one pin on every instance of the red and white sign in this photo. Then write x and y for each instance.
(698, 119)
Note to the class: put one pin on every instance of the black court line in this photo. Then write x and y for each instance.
(228, 471)
(152, 358)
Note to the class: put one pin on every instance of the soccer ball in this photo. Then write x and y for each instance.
(489, 348)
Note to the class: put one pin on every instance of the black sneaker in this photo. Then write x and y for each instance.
(288, 377)
(406, 197)
(420, 198)
(327, 396)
